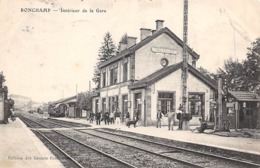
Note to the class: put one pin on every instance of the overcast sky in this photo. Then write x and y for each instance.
(44, 55)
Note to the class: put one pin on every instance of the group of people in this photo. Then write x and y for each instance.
(113, 117)
(170, 115)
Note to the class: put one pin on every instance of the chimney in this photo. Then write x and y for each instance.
(145, 33)
(122, 46)
(153, 31)
(131, 41)
(159, 24)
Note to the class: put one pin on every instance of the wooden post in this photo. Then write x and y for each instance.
(236, 114)
(215, 117)
(219, 104)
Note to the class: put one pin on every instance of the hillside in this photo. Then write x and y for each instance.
(23, 102)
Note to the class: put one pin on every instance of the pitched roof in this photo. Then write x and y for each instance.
(64, 100)
(144, 42)
(244, 96)
(156, 76)
(95, 93)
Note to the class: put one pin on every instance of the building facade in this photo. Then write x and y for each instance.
(145, 77)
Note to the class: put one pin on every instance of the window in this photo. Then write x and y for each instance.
(138, 104)
(125, 105)
(166, 102)
(114, 103)
(196, 104)
(125, 72)
(104, 79)
(249, 108)
(96, 106)
(113, 76)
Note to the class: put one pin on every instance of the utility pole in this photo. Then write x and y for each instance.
(185, 60)
(219, 104)
(77, 101)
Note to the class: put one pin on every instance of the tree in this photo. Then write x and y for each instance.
(232, 74)
(2, 79)
(85, 100)
(122, 40)
(252, 67)
(240, 76)
(206, 73)
(96, 76)
(106, 51)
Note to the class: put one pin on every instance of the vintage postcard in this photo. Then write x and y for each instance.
(182, 71)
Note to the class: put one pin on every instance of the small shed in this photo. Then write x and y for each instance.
(242, 109)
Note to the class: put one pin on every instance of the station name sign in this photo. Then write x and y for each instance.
(230, 105)
(163, 50)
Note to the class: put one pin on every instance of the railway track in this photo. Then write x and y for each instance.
(78, 153)
(176, 155)
(192, 156)
(66, 160)
(136, 156)
(229, 155)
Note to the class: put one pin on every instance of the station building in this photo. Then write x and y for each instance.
(146, 77)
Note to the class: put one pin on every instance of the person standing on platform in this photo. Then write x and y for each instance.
(106, 118)
(112, 117)
(98, 115)
(179, 113)
(170, 120)
(136, 114)
(91, 117)
(118, 119)
(127, 117)
(159, 117)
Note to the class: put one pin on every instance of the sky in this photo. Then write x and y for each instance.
(51, 55)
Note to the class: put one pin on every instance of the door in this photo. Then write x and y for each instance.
(138, 105)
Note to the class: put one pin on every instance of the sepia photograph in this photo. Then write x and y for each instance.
(136, 83)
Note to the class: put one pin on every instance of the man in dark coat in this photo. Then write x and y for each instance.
(106, 118)
(159, 117)
(98, 115)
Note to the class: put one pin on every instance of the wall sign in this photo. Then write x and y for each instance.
(163, 50)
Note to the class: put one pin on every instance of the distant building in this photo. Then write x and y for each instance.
(65, 107)
(146, 77)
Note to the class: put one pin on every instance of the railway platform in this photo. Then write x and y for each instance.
(241, 144)
(20, 148)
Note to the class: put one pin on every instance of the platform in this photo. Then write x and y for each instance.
(20, 148)
(241, 144)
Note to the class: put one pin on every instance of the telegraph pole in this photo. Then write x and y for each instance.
(185, 59)
(185, 56)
